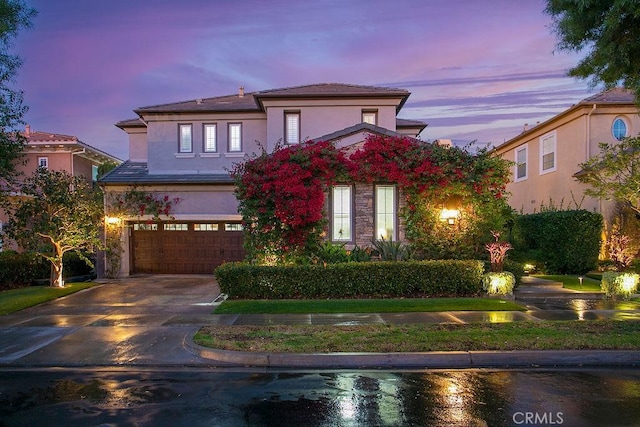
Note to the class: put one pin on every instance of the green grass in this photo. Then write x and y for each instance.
(366, 306)
(572, 282)
(547, 335)
(18, 299)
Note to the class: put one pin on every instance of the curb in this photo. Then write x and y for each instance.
(454, 359)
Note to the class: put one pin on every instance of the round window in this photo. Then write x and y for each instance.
(619, 129)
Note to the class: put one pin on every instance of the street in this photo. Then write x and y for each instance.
(247, 397)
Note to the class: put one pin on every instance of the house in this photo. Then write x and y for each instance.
(547, 155)
(59, 152)
(186, 150)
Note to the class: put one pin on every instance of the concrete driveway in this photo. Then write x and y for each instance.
(142, 320)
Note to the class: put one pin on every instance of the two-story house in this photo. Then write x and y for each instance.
(59, 153)
(186, 150)
(547, 155)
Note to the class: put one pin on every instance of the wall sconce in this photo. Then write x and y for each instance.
(449, 215)
(112, 220)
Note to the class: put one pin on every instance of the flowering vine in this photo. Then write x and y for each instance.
(282, 194)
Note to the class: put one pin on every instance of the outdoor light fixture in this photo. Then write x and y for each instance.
(112, 220)
(580, 279)
(449, 215)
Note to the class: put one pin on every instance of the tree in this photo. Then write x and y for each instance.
(14, 16)
(58, 212)
(614, 173)
(609, 31)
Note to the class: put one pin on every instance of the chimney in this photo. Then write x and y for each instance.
(241, 91)
(526, 127)
(27, 131)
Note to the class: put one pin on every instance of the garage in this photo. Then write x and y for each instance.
(184, 247)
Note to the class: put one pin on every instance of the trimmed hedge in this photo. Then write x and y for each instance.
(566, 242)
(350, 280)
(21, 269)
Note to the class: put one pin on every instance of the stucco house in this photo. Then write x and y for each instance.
(60, 153)
(186, 150)
(547, 155)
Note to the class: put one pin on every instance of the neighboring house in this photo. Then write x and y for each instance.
(60, 152)
(548, 155)
(186, 150)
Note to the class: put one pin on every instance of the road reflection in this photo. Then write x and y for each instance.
(343, 398)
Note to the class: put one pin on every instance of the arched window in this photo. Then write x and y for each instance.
(619, 129)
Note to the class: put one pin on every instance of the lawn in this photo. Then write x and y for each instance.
(573, 282)
(18, 299)
(547, 335)
(366, 306)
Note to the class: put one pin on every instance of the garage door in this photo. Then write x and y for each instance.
(184, 247)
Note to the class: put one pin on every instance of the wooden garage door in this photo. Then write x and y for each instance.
(184, 247)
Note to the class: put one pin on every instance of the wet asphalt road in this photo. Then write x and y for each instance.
(205, 397)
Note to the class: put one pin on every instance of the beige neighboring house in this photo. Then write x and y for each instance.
(548, 155)
(60, 152)
(186, 149)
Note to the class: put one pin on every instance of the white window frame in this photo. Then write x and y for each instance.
(385, 221)
(626, 126)
(342, 213)
(209, 138)
(185, 139)
(552, 138)
(292, 127)
(523, 148)
(235, 137)
(43, 162)
(370, 116)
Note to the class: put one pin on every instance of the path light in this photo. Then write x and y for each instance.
(580, 279)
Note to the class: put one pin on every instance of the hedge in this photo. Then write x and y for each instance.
(350, 280)
(566, 242)
(23, 269)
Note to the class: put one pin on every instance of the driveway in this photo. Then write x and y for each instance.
(142, 320)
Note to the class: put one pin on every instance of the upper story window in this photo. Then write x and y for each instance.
(186, 141)
(521, 167)
(235, 137)
(385, 213)
(341, 213)
(548, 153)
(209, 135)
(94, 173)
(619, 129)
(292, 127)
(43, 162)
(370, 116)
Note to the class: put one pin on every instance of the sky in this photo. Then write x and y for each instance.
(477, 70)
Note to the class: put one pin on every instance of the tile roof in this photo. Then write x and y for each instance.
(252, 101)
(401, 123)
(360, 127)
(132, 173)
(38, 136)
(614, 95)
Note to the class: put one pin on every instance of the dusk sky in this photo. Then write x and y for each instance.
(477, 69)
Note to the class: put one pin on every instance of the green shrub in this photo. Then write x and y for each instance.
(616, 284)
(350, 280)
(501, 283)
(390, 250)
(74, 265)
(21, 269)
(359, 254)
(566, 242)
(330, 253)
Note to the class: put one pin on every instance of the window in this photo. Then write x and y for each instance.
(292, 128)
(385, 212)
(341, 213)
(233, 227)
(205, 227)
(619, 129)
(43, 162)
(94, 172)
(235, 137)
(548, 153)
(210, 144)
(521, 164)
(186, 145)
(176, 227)
(145, 227)
(370, 117)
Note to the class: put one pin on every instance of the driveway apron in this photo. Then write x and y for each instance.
(141, 320)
